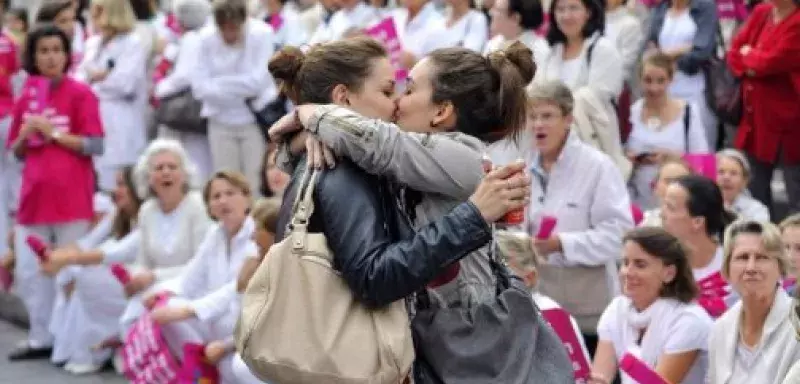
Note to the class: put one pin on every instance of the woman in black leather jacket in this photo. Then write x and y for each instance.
(374, 248)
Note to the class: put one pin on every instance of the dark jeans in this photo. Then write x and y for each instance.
(761, 182)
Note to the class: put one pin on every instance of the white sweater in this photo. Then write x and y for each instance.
(169, 241)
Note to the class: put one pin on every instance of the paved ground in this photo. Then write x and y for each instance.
(39, 372)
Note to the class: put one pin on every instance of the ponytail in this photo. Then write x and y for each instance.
(727, 218)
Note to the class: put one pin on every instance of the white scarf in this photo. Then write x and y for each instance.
(655, 322)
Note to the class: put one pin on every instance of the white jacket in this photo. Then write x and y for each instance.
(778, 348)
(596, 127)
(586, 193)
(209, 280)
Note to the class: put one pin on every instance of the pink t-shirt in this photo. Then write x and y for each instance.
(58, 183)
(9, 65)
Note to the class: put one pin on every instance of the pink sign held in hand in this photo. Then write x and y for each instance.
(546, 227)
(636, 369)
(38, 246)
(37, 88)
(561, 323)
(119, 272)
(386, 32)
(703, 164)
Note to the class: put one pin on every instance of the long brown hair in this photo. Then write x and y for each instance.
(662, 245)
(311, 77)
(487, 93)
(125, 220)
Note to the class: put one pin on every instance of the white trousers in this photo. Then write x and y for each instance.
(197, 147)
(237, 148)
(37, 290)
(195, 331)
(89, 316)
(242, 372)
(10, 179)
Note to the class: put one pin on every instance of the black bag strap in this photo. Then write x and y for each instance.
(687, 116)
(589, 53)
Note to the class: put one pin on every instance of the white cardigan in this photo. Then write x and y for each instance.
(189, 229)
(209, 280)
(778, 348)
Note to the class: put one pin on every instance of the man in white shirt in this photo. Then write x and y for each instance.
(231, 80)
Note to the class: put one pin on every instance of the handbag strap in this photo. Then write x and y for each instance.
(303, 208)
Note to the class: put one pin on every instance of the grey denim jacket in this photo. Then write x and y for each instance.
(445, 167)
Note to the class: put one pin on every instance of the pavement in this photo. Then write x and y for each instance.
(40, 371)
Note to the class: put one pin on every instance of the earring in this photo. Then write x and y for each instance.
(432, 124)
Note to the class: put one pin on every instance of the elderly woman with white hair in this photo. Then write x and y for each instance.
(182, 56)
(733, 176)
(754, 341)
(171, 224)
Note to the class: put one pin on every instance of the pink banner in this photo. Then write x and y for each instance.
(560, 321)
(636, 369)
(713, 291)
(731, 10)
(145, 355)
(704, 164)
(386, 33)
(196, 369)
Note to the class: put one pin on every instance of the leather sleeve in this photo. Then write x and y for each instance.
(379, 268)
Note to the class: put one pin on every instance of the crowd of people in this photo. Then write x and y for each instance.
(170, 139)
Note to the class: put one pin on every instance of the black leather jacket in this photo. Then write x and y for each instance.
(381, 259)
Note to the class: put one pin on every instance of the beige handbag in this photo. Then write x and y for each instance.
(301, 323)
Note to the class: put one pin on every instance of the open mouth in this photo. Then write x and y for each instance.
(540, 136)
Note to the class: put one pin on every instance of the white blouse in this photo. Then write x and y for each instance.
(422, 34)
(344, 20)
(537, 44)
(170, 240)
(676, 328)
(679, 30)
(209, 280)
(471, 31)
(671, 136)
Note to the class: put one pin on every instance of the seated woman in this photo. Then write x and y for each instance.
(265, 214)
(203, 307)
(733, 175)
(754, 342)
(692, 210)
(524, 262)
(662, 126)
(670, 169)
(90, 314)
(656, 316)
(790, 234)
(171, 224)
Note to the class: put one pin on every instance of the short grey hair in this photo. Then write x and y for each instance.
(156, 147)
(554, 92)
(770, 239)
(739, 157)
(192, 14)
